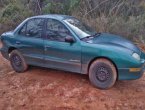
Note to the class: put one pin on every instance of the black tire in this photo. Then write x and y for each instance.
(102, 73)
(18, 62)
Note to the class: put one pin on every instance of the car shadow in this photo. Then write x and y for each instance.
(120, 86)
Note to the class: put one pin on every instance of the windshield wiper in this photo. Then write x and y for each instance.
(92, 36)
(96, 34)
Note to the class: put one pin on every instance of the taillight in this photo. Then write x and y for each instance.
(1, 43)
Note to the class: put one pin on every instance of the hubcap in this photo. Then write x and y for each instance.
(17, 60)
(102, 74)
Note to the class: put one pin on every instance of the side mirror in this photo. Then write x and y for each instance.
(69, 39)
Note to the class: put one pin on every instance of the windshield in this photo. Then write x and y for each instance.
(81, 29)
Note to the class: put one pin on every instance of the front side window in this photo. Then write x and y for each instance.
(81, 29)
(56, 31)
(33, 28)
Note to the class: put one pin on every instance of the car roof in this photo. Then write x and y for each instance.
(53, 16)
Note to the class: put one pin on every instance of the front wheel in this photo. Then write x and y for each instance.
(18, 62)
(102, 73)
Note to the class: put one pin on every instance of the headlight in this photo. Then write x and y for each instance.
(136, 56)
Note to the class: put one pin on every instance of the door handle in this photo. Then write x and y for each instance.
(17, 42)
(47, 46)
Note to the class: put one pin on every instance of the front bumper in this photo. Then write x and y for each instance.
(126, 74)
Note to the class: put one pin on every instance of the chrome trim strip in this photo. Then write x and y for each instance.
(71, 60)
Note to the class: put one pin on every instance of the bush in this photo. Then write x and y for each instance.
(12, 15)
(123, 17)
(60, 7)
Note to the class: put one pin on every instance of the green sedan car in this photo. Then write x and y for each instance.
(63, 42)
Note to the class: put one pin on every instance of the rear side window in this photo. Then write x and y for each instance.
(33, 28)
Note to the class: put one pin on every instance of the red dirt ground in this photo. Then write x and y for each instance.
(47, 89)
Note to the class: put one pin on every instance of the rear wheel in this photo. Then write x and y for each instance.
(18, 62)
(102, 73)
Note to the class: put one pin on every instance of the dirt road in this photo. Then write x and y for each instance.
(47, 89)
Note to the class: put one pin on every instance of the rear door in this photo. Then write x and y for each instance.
(58, 53)
(30, 43)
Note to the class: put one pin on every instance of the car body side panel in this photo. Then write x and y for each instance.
(8, 41)
(117, 55)
(32, 49)
(62, 55)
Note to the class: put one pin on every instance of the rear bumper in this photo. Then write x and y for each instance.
(4, 53)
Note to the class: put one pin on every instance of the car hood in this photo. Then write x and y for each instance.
(105, 38)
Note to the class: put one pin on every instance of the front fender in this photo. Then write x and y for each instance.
(121, 57)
